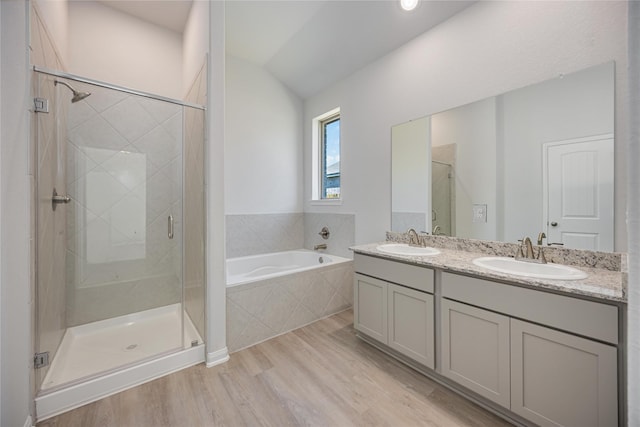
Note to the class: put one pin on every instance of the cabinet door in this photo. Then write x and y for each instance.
(558, 379)
(370, 307)
(475, 350)
(411, 323)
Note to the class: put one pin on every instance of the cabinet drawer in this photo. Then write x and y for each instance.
(591, 319)
(415, 277)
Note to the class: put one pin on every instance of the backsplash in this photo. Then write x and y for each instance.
(252, 234)
(576, 257)
(341, 226)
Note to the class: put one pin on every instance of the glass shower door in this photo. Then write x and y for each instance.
(118, 241)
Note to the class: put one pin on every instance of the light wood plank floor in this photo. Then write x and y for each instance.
(319, 375)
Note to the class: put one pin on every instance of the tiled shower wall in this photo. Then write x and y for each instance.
(194, 221)
(253, 234)
(124, 175)
(50, 226)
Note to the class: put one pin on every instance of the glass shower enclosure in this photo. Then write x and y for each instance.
(119, 183)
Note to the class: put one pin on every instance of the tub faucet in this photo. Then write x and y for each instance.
(320, 246)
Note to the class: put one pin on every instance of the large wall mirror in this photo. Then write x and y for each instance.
(536, 159)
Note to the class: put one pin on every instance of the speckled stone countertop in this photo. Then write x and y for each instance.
(602, 283)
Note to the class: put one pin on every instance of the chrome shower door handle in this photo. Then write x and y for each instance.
(57, 199)
(170, 226)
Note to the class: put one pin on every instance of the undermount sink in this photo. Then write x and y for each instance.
(404, 249)
(530, 269)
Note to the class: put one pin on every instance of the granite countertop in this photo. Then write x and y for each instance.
(601, 283)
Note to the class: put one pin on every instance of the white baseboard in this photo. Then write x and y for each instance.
(217, 357)
(57, 402)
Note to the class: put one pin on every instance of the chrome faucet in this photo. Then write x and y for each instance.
(414, 239)
(436, 230)
(529, 256)
(320, 246)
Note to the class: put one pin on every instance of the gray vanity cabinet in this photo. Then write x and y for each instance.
(475, 350)
(394, 304)
(370, 307)
(559, 379)
(410, 321)
(549, 358)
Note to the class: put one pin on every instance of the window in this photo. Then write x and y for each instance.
(326, 161)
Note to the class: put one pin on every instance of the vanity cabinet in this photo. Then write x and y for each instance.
(394, 304)
(549, 358)
(410, 323)
(475, 350)
(559, 379)
(370, 307)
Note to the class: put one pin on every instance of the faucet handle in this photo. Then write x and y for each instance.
(541, 258)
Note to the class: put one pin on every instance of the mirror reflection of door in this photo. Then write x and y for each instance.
(579, 191)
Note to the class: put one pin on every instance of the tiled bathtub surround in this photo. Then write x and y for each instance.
(341, 226)
(580, 258)
(261, 310)
(253, 234)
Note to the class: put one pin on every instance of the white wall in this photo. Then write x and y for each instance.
(633, 216)
(108, 45)
(263, 142)
(487, 49)
(195, 43)
(472, 129)
(215, 162)
(55, 14)
(15, 291)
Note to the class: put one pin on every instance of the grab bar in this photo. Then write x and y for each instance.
(170, 226)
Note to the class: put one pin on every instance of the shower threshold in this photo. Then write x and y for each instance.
(104, 357)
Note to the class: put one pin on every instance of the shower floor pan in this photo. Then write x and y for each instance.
(102, 358)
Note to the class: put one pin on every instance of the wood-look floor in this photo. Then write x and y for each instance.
(319, 375)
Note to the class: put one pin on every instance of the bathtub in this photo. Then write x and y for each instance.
(270, 294)
(252, 268)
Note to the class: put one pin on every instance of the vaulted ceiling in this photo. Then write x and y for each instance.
(307, 44)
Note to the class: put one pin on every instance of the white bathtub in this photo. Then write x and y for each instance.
(253, 268)
(270, 294)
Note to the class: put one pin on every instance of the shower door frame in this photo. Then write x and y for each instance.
(191, 355)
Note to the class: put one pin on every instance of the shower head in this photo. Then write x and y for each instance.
(77, 96)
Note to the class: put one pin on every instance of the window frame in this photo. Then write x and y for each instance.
(319, 158)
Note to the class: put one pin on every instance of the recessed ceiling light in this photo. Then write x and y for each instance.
(409, 4)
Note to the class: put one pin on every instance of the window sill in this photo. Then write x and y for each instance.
(326, 202)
